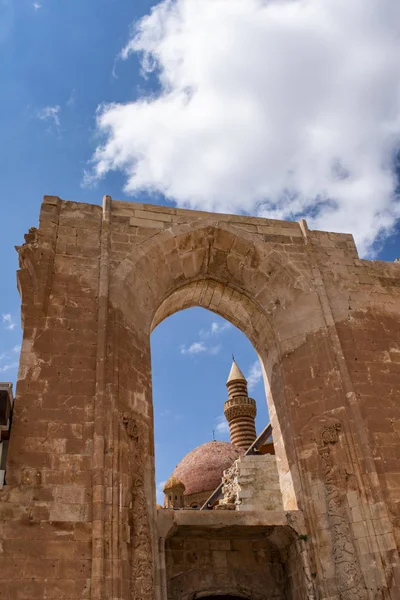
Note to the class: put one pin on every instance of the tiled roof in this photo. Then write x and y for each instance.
(201, 470)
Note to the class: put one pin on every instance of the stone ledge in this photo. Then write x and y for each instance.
(168, 521)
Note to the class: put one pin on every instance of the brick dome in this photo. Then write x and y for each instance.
(201, 470)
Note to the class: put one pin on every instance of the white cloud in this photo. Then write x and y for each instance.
(215, 329)
(199, 348)
(8, 367)
(215, 349)
(168, 414)
(194, 348)
(254, 376)
(37, 6)
(280, 108)
(222, 426)
(160, 493)
(8, 321)
(72, 98)
(7, 362)
(7, 358)
(51, 115)
(205, 334)
(165, 413)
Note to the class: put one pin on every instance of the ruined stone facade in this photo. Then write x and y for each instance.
(77, 513)
(252, 483)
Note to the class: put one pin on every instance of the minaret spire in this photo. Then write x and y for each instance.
(239, 409)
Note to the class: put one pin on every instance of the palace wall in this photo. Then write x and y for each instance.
(257, 555)
(77, 513)
(210, 563)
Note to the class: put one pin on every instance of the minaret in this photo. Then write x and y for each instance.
(239, 409)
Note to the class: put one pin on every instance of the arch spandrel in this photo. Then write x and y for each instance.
(217, 252)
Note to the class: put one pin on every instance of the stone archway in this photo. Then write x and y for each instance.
(221, 268)
(94, 281)
(269, 296)
(224, 267)
(241, 311)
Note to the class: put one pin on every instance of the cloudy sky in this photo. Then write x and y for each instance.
(278, 108)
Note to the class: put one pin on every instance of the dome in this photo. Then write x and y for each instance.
(201, 470)
(173, 483)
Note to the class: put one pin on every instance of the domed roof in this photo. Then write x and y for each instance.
(174, 482)
(201, 470)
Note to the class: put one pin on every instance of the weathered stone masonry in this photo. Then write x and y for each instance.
(77, 513)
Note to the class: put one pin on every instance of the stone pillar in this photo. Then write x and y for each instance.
(161, 588)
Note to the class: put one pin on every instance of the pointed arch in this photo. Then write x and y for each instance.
(206, 251)
(224, 268)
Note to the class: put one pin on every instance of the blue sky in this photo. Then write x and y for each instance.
(217, 118)
(191, 359)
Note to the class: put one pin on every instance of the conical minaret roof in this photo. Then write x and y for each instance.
(235, 374)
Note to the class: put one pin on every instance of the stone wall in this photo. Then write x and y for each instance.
(197, 500)
(257, 555)
(77, 514)
(252, 568)
(6, 405)
(252, 483)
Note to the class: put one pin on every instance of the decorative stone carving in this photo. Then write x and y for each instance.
(230, 489)
(240, 409)
(142, 557)
(348, 573)
(130, 426)
(330, 434)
